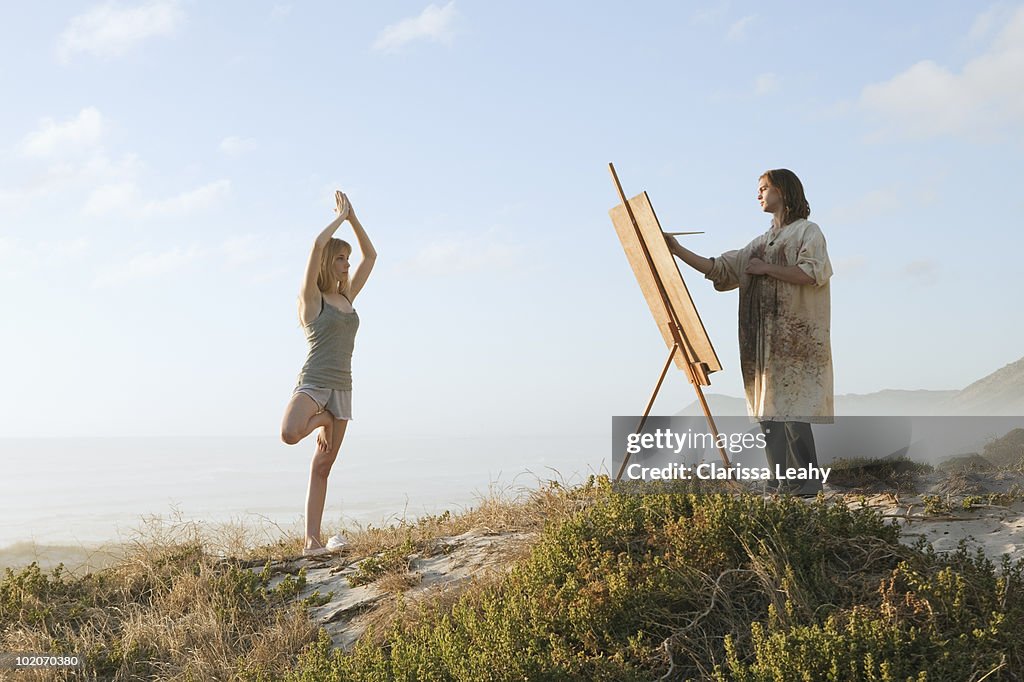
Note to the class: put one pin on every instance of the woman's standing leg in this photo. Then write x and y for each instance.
(317, 492)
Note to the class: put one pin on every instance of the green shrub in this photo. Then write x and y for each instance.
(389, 560)
(635, 587)
(951, 619)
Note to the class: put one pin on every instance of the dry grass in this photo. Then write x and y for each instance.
(877, 475)
(173, 609)
(397, 582)
(1007, 451)
(502, 509)
(185, 600)
(387, 550)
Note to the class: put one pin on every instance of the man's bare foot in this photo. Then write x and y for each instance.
(323, 439)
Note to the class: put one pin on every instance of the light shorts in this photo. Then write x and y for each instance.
(338, 403)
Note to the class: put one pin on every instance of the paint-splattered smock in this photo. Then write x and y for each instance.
(785, 351)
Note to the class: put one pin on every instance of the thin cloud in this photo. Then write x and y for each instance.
(68, 156)
(251, 256)
(53, 138)
(766, 84)
(456, 256)
(109, 30)
(61, 177)
(41, 259)
(147, 265)
(712, 13)
(738, 31)
(12, 255)
(983, 100)
(243, 250)
(434, 24)
(192, 200)
(871, 204)
(986, 22)
(125, 198)
(851, 266)
(111, 198)
(236, 146)
(921, 271)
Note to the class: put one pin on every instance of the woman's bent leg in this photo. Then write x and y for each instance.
(317, 492)
(301, 417)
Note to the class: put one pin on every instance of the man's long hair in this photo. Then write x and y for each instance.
(794, 202)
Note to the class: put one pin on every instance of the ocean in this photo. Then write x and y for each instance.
(65, 497)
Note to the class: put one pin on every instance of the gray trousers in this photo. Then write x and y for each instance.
(790, 445)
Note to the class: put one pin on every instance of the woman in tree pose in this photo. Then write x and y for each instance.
(323, 397)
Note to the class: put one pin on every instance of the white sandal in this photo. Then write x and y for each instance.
(315, 551)
(336, 543)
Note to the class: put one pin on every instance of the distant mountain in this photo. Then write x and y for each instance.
(719, 404)
(998, 394)
(895, 402)
(880, 403)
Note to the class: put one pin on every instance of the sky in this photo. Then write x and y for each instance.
(166, 166)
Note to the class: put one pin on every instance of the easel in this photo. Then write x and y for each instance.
(674, 331)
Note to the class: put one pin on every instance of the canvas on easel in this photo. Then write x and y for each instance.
(699, 352)
(668, 298)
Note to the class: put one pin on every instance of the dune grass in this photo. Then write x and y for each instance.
(897, 474)
(619, 584)
(1008, 450)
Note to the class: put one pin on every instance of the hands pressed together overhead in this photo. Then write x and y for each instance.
(341, 205)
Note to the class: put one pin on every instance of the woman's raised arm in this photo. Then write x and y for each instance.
(309, 294)
(362, 271)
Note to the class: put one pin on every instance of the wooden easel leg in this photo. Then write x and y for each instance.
(691, 374)
(650, 404)
(711, 421)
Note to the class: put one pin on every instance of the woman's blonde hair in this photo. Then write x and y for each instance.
(325, 279)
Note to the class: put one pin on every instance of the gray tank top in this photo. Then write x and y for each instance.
(331, 336)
